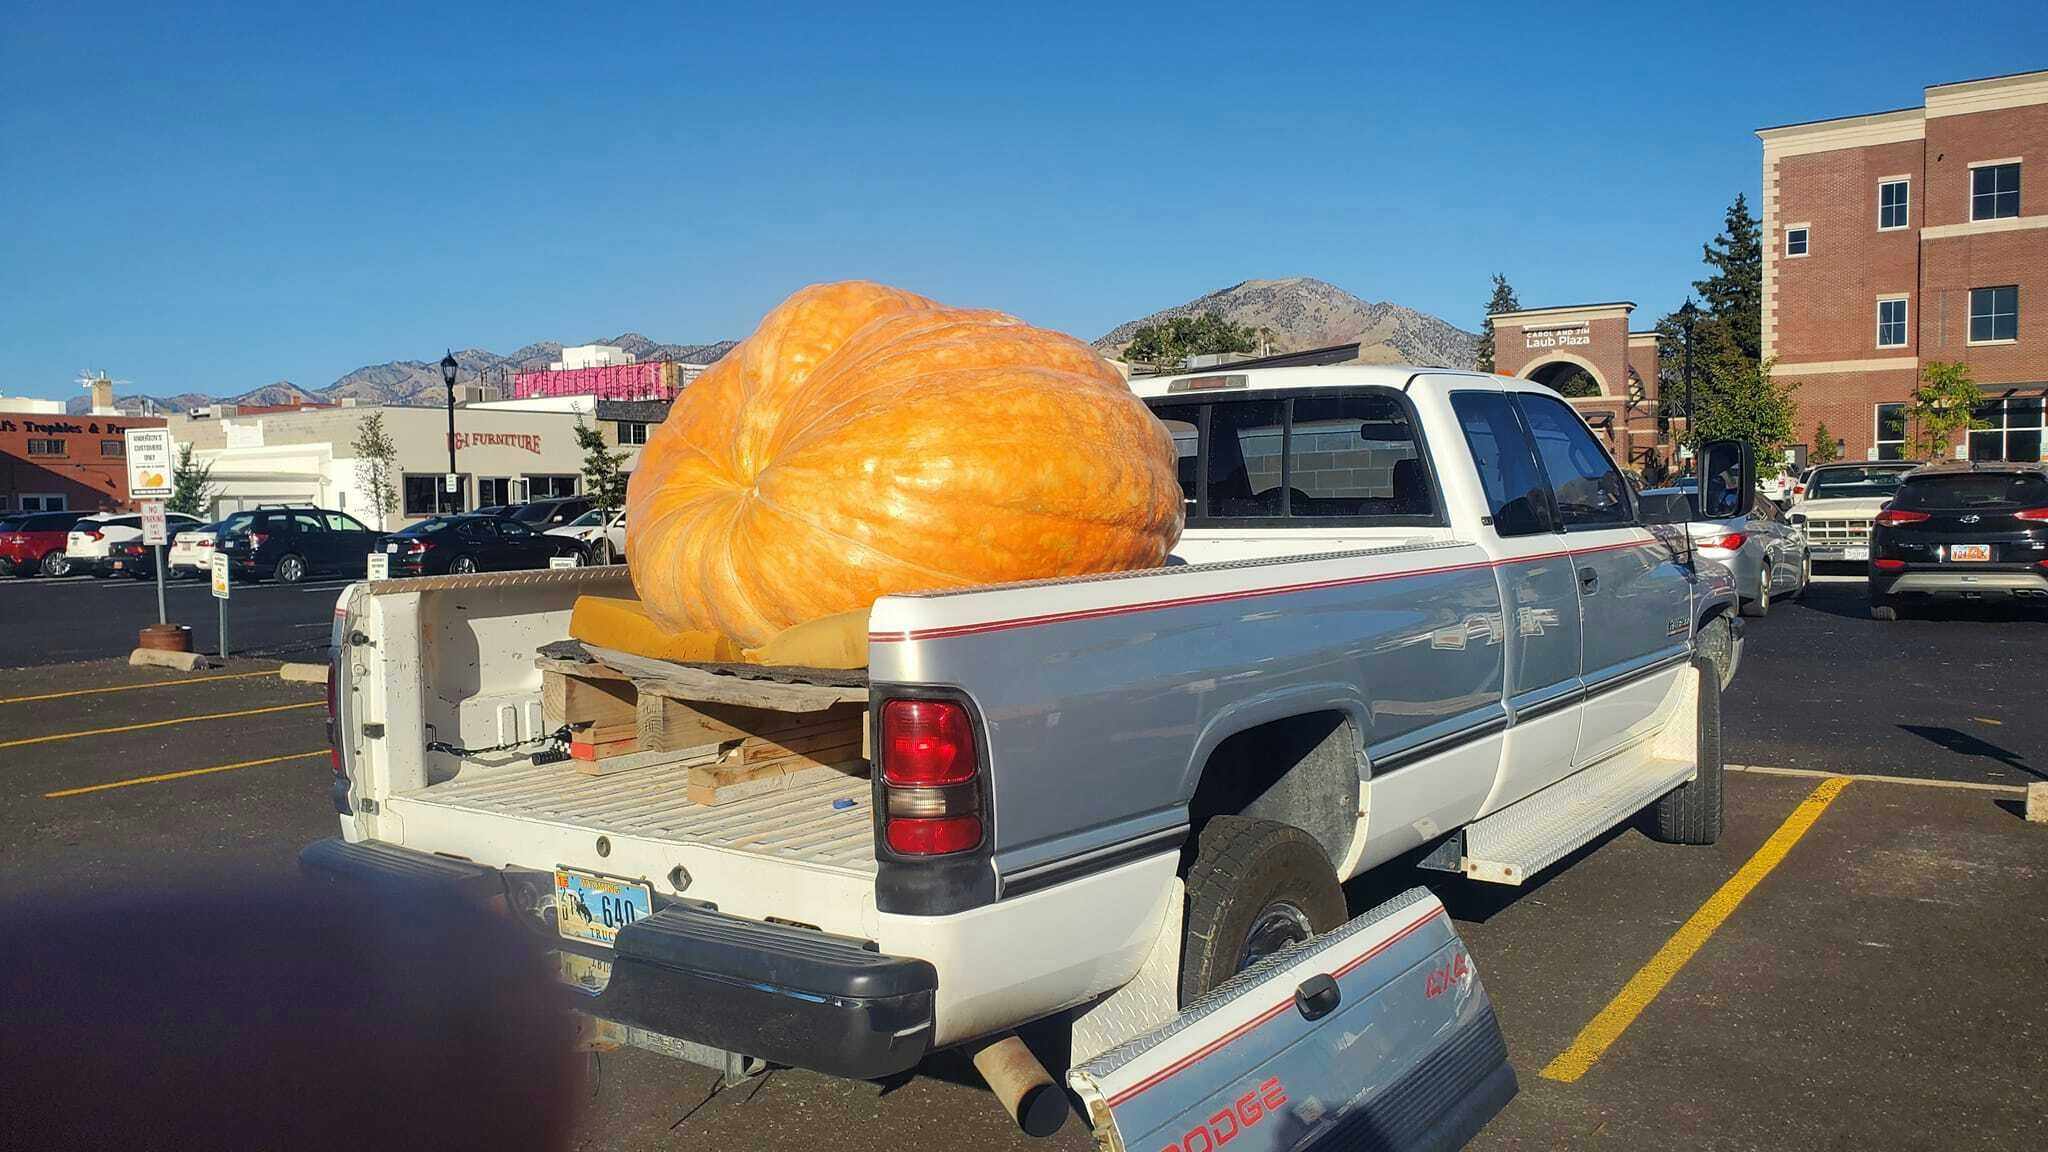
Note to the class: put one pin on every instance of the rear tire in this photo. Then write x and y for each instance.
(1805, 577)
(600, 553)
(290, 569)
(1886, 608)
(462, 566)
(1255, 885)
(1761, 606)
(1696, 812)
(56, 564)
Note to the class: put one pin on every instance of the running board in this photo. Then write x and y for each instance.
(1533, 833)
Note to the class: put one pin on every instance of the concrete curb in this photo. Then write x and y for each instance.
(303, 673)
(161, 658)
(2037, 802)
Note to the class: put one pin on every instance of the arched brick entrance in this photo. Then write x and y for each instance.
(1554, 346)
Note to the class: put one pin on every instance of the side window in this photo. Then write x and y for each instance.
(480, 529)
(1185, 422)
(1355, 456)
(1506, 463)
(513, 530)
(307, 522)
(1589, 488)
(1245, 440)
(342, 522)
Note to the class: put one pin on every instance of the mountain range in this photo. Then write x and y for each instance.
(1293, 314)
(1299, 313)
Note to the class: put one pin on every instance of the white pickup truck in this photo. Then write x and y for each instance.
(1415, 619)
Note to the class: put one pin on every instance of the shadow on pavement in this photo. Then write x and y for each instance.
(1963, 744)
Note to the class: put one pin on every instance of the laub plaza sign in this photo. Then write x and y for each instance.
(1562, 336)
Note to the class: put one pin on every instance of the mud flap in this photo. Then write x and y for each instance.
(1376, 1035)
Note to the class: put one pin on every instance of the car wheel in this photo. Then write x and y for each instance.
(289, 570)
(1256, 887)
(1696, 812)
(1805, 576)
(600, 553)
(462, 565)
(1885, 608)
(56, 564)
(1761, 606)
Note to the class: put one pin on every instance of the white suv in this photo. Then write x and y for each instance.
(93, 539)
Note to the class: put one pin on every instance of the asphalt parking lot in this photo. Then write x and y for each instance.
(1855, 965)
(79, 618)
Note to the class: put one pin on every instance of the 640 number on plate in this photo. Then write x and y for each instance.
(594, 908)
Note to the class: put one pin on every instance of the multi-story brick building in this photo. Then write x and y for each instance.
(1900, 238)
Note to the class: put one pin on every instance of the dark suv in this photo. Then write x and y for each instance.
(291, 544)
(541, 515)
(1972, 529)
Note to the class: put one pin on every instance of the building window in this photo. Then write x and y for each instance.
(1894, 197)
(424, 497)
(632, 432)
(113, 448)
(1994, 315)
(550, 487)
(493, 490)
(1891, 323)
(1994, 191)
(1795, 241)
(1891, 432)
(38, 446)
(42, 502)
(2012, 429)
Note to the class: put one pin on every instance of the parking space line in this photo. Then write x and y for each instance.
(163, 776)
(1604, 1029)
(133, 687)
(1916, 781)
(159, 724)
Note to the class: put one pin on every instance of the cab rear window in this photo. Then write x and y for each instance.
(1854, 483)
(1973, 490)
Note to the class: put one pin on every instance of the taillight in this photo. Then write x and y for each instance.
(333, 741)
(2032, 514)
(1888, 564)
(205, 543)
(94, 534)
(1732, 542)
(930, 777)
(1893, 517)
(1799, 489)
(256, 539)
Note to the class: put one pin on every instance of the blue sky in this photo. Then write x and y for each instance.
(212, 199)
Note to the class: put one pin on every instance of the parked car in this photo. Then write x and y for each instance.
(1480, 656)
(1840, 502)
(132, 558)
(602, 540)
(542, 515)
(1763, 551)
(291, 544)
(92, 543)
(1970, 528)
(36, 544)
(471, 543)
(191, 553)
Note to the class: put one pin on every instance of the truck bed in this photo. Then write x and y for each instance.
(797, 824)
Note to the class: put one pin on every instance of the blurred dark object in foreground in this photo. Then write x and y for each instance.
(278, 1019)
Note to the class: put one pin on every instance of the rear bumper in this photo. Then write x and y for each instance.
(786, 995)
(1955, 581)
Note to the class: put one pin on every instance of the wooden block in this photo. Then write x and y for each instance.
(715, 784)
(570, 699)
(589, 751)
(634, 761)
(665, 722)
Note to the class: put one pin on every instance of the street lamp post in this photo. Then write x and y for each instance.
(1686, 314)
(448, 367)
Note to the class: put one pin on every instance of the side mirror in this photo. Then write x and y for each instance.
(1727, 477)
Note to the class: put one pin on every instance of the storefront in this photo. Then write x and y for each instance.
(501, 457)
(50, 462)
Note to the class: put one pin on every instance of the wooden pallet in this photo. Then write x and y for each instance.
(745, 739)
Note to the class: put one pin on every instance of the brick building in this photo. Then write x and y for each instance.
(1592, 342)
(54, 462)
(1899, 238)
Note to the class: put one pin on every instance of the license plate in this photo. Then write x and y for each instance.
(1856, 552)
(1970, 553)
(117, 565)
(586, 973)
(594, 908)
(391, 548)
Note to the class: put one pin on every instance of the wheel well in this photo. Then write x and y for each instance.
(1301, 770)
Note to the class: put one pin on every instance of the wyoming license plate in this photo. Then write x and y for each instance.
(1970, 553)
(594, 908)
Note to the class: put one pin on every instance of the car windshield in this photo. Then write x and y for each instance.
(1974, 490)
(428, 527)
(590, 519)
(533, 513)
(1855, 483)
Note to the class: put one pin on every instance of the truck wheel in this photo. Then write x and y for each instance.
(1256, 887)
(1717, 647)
(1695, 812)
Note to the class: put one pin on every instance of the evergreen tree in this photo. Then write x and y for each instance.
(604, 478)
(1502, 300)
(1822, 450)
(1734, 292)
(191, 489)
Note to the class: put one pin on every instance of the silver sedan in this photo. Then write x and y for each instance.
(1765, 553)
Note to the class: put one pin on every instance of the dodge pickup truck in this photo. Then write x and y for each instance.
(1416, 619)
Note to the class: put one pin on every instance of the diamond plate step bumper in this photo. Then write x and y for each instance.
(1531, 834)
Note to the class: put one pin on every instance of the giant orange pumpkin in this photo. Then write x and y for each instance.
(866, 440)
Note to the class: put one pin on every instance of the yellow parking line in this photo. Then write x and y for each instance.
(1598, 1035)
(132, 687)
(162, 776)
(160, 723)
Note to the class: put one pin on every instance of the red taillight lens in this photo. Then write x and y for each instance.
(1888, 564)
(2032, 514)
(205, 543)
(256, 539)
(926, 744)
(1799, 489)
(95, 534)
(934, 837)
(1732, 541)
(1892, 517)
